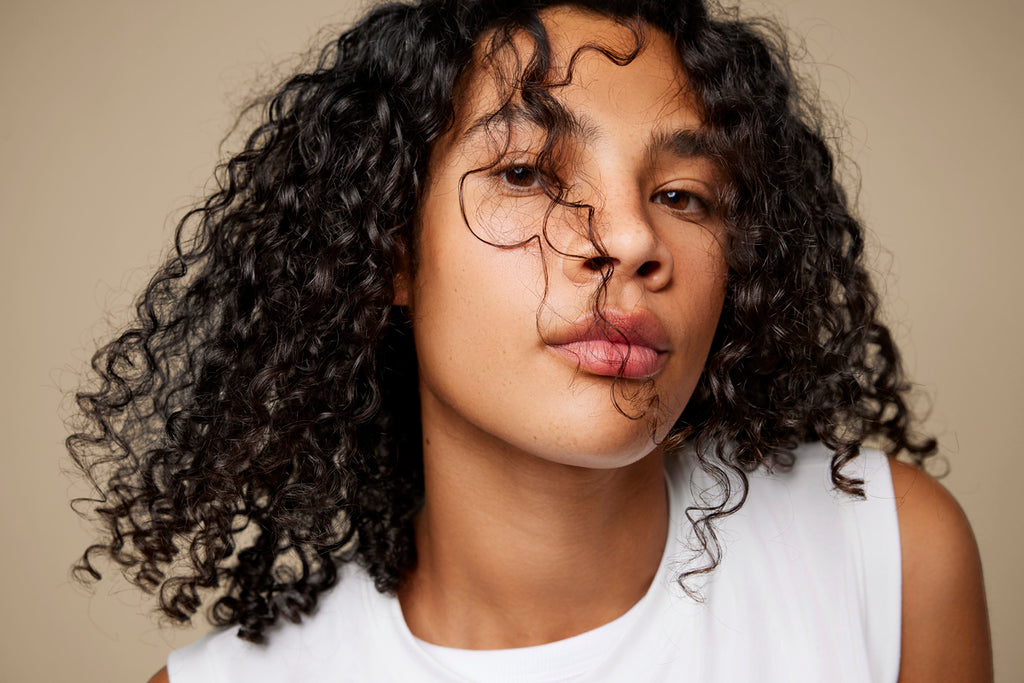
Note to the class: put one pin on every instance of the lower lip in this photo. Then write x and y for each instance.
(612, 359)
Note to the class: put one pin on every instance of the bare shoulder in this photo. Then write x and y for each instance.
(160, 677)
(945, 619)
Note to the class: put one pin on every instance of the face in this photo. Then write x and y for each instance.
(516, 348)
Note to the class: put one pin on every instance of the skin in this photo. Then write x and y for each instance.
(546, 513)
(560, 496)
(945, 619)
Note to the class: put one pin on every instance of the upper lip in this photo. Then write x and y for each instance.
(640, 328)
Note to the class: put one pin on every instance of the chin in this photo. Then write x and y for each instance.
(588, 430)
(616, 442)
(593, 460)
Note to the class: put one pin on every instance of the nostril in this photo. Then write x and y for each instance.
(647, 268)
(599, 264)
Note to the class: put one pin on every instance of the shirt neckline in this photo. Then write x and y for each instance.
(564, 659)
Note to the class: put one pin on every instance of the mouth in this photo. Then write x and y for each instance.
(614, 344)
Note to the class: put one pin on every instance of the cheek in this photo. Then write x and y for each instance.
(507, 221)
(699, 289)
(700, 271)
(473, 304)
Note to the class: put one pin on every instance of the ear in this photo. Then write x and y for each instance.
(402, 284)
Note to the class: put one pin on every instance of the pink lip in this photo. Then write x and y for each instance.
(614, 344)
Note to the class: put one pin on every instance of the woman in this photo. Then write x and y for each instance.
(530, 342)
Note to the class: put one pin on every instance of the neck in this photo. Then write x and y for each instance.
(514, 550)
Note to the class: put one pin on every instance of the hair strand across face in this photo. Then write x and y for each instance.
(257, 425)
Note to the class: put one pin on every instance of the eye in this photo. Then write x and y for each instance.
(682, 201)
(520, 176)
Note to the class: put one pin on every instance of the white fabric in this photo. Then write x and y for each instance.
(808, 590)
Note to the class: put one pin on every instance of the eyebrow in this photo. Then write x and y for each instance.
(684, 143)
(579, 128)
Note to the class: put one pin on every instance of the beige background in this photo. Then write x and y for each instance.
(110, 121)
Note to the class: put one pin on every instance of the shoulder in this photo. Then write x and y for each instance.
(338, 636)
(160, 677)
(945, 632)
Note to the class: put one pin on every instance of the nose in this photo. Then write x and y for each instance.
(624, 243)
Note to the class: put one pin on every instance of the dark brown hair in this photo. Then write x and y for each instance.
(258, 423)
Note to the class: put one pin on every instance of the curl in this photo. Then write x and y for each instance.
(257, 425)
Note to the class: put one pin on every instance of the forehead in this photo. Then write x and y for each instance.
(588, 62)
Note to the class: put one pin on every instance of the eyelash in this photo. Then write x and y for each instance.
(507, 175)
(665, 198)
(514, 175)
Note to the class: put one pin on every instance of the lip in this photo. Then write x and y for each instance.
(614, 344)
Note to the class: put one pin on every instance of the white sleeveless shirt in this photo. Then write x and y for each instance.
(808, 589)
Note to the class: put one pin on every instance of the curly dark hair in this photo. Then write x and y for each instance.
(258, 423)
